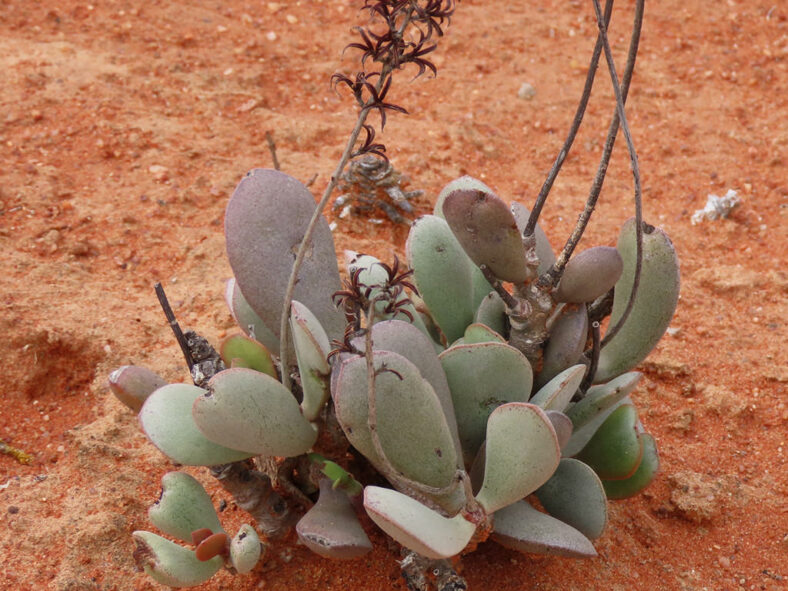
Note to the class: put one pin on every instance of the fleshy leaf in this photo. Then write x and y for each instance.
(245, 549)
(479, 333)
(649, 466)
(416, 526)
(574, 494)
(340, 478)
(411, 427)
(265, 221)
(246, 318)
(252, 411)
(562, 425)
(486, 229)
(568, 338)
(132, 385)
(183, 507)
(601, 397)
(312, 347)
(615, 450)
(443, 274)
(482, 377)
(521, 527)
(655, 303)
(599, 402)
(463, 183)
(166, 418)
(521, 454)
(558, 392)
(241, 351)
(170, 564)
(331, 527)
(589, 275)
(404, 339)
(492, 313)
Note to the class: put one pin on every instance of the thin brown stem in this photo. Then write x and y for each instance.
(269, 138)
(507, 298)
(541, 199)
(303, 247)
(424, 492)
(552, 276)
(176, 328)
(594, 359)
(636, 177)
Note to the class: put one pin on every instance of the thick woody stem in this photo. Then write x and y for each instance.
(254, 493)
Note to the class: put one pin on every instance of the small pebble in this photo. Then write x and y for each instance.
(526, 92)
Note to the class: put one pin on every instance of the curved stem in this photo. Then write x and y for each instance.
(552, 276)
(636, 176)
(387, 469)
(303, 247)
(541, 199)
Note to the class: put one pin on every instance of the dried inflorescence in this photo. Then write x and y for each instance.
(400, 32)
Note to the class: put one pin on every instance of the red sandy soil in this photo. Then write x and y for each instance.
(125, 126)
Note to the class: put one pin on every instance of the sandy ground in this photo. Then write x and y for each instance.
(124, 128)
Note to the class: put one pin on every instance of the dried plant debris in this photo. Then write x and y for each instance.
(717, 207)
(371, 184)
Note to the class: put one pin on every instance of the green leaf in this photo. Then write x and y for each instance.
(521, 454)
(183, 507)
(411, 426)
(599, 402)
(615, 450)
(479, 333)
(166, 418)
(521, 527)
(312, 348)
(252, 411)
(240, 351)
(246, 318)
(170, 564)
(482, 377)
(574, 494)
(416, 526)
(558, 392)
(647, 470)
(655, 303)
(492, 313)
(340, 478)
(443, 274)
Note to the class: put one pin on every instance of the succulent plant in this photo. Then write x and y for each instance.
(463, 428)
(184, 511)
(440, 399)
